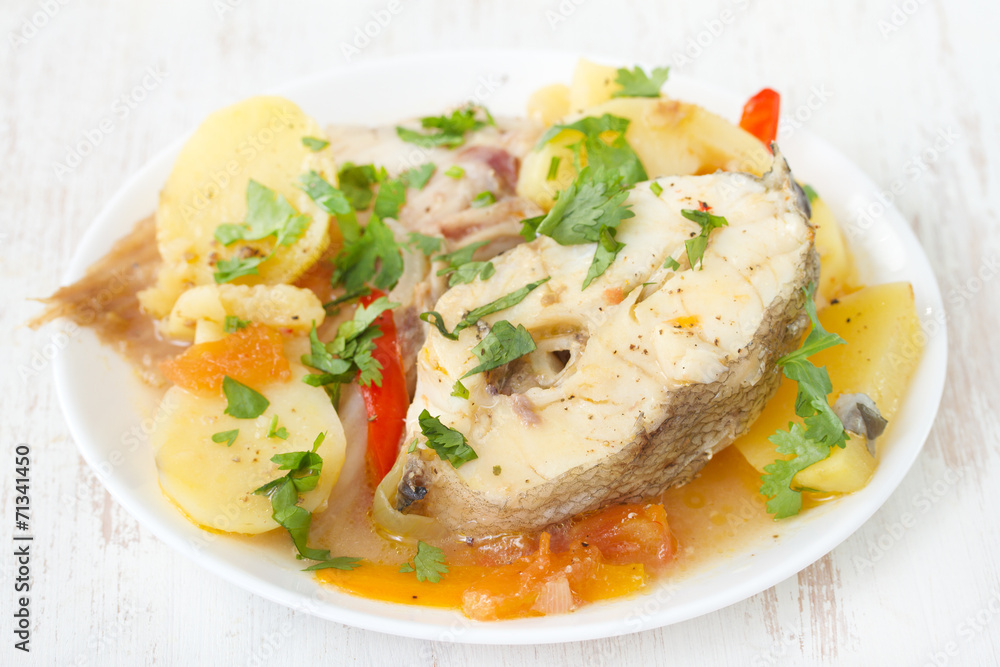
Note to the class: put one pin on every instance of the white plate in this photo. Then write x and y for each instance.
(108, 410)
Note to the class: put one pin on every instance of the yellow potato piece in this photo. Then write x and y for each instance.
(213, 484)
(284, 307)
(670, 137)
(549, 104)
(592, 84)
(884, 344)
(837, 275)
(260, 139)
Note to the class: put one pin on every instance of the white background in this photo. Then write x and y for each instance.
(882, 81)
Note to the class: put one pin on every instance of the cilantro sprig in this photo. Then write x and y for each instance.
(823, 428)
(349, 354)
(268, 214)
(603, 148)
(449, 444)
(588, 211)
(507, 301)
(636, 83)
(460, 268)
(304, 469)
(428, 563)
(447, 131)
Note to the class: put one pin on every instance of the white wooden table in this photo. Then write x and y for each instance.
(880, 80)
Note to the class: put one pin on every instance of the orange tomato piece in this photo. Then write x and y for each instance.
(253, 355)
(624, 534)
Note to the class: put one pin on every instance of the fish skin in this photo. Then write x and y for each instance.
(666, 443)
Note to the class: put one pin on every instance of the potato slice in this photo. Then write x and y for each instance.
(884, 343)
(284, 307)
(837, 275)
(260, 139)
(213, 484)
(670, 137)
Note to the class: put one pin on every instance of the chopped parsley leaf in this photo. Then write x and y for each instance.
(454, 171)
(232, 324)
(243, 402)
(274, 432)
(314, 144)
(303, 474)
(418, 176)
(428, 563)
(268, 214)
(449, 444)
(553, 168)
(672, 263)
(356, 183)
(636, 83)
(349, 354)
(504, 302)
(823, 428)
(228, 437)
(696, 247)
(426, 244)
(484, 198)
(447, 131)
(459, 390)
(461, 269)
(603, 149)
(503, 344)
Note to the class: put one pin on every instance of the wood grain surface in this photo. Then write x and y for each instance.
(907, 89)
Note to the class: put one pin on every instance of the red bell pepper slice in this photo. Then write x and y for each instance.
(386, 404)
(760, 116)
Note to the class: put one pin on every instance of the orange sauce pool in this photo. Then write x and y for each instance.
(717, 514)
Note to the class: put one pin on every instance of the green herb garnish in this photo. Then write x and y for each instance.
(349, 354)
(448, 131)
(243, 402)
(504, 302)
(454, 171)
(503, 344)
(274, 432)
(426, 244)
(484, 198)
(232, 324)
(636, 83)
(314, 144)
(449, 444)
(823, 428)
(303, 474)
(461, 269)
(228, 437)
(428, 563)
(696, 247)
